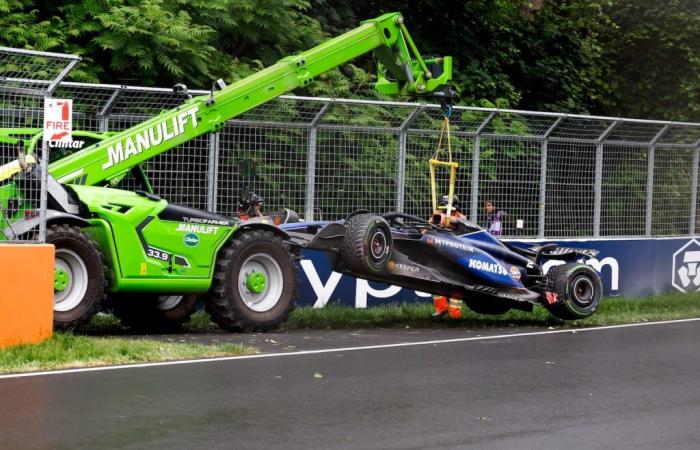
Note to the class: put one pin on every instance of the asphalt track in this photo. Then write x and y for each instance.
(617, 388)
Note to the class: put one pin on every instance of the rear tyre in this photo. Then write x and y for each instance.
(487, 306)
(577, 288)
(254, 285)
(79, 276)
(152, 312)
(367, 244)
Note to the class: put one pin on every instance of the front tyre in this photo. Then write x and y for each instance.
(79, 276)
(367, 244)
(254, 285)
(575, 291)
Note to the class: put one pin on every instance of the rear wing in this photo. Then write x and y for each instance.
(554, 251)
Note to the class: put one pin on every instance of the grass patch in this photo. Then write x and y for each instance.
(612, 311)
(65, 350)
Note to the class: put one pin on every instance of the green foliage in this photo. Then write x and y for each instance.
(655, 47)
(617, 57)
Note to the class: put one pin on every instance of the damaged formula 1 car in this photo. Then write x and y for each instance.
(456, 258)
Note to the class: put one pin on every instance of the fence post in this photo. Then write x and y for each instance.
(543, 177)
(401, 169)
(43, 196)
(473, 215)
(103, 115)
(311, 165)
(694, 188)
(213, 171)
(650, 181)
(598, 183)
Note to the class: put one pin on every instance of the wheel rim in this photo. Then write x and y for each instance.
(168, 302)
(71, 269)
(582, 291)
(378, 245)
(260, 266)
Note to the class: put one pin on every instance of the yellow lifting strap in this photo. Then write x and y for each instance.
(435, 162)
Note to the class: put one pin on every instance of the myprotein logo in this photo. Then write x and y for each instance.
(686, 267)
(448, 243)
(161, 132)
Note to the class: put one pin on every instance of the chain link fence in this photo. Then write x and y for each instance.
(27, 79)
(557, 175)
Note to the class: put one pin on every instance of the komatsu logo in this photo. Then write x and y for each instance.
(487, 266)
(161, 132)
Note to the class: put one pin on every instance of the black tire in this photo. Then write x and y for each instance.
(578, 290)
(367, 243)
(81, 295)
(489, 306)
(234, 307)
(153, 312)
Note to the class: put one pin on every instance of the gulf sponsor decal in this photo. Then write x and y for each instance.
(515, 273)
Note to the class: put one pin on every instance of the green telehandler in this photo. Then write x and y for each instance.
(153, 258)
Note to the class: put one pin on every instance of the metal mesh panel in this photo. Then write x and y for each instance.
(672, 191)
(514, 124)
(279, 157)
(580, 128)
(20, 195)
(639, 132)
(623, 211)
(462, 120)
(355, 170)
(26, 79)
(283, 110)
(681, 134)
(361, 115)
(179, 175)
(569, 200)
(509, 176)
(88, 102)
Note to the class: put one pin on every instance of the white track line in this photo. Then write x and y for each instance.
(342, 349)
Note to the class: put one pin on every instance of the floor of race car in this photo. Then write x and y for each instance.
(610, 387)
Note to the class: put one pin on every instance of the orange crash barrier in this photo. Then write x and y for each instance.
(26, 293)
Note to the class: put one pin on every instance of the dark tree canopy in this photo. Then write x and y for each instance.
(617, 57)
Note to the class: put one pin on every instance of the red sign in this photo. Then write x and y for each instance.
(58, 119)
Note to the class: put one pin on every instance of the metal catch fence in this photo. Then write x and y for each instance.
(27, 79)
(557, 175)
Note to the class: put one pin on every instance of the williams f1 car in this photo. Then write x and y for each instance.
(456, 258)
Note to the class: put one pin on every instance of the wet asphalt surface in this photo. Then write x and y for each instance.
(636, 388)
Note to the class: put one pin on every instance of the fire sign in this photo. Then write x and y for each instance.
(58, 119)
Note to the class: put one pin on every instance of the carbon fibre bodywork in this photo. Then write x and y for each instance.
(461, 262)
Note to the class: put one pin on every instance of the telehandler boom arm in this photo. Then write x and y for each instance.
(401, 71)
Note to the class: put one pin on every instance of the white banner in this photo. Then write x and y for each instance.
(58, 119)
